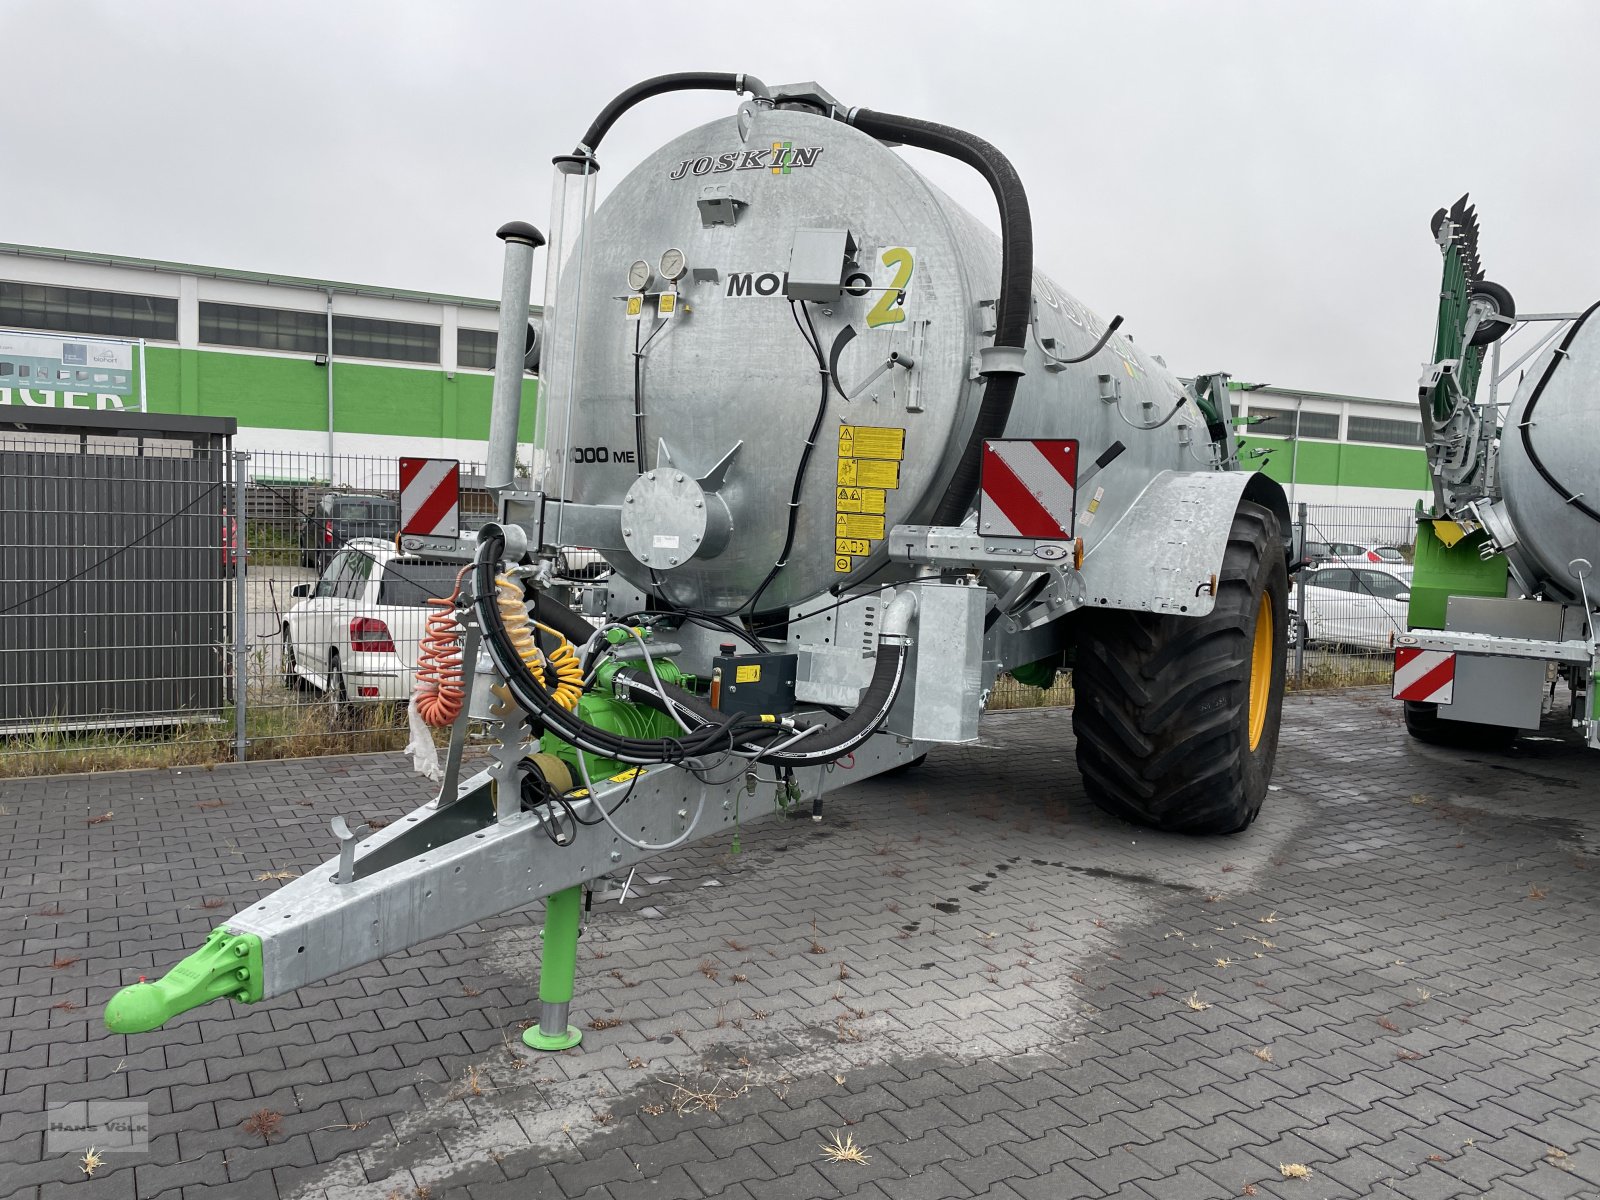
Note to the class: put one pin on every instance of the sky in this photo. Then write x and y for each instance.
(1249, 184)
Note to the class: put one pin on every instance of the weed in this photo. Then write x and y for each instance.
(735, 978)
(1229, 868)
(844, 1150)
(471, 1084)
(1157, 993)
(636, 1064)
(100, 820)
(275, 876)
(90, 1162)
(600, 1023)
(1294, 1170)
(468, 990)
(897, 872)
(1423, 995)
(722, 1020)
(264, 1123)
(1195, 1003)
(1557, 1157)
(1388, 1024)
(1535, 892)
(1248, 1189)
(65, 1006)
(708, 969)
(736, 945)
(1405, 1055)
(689, 1098)
(893, 906)
(209, 804)
(53, 910)
(63, 961)
(604, 1118)
(1270, 919)
(1224, 963)
(653, 1110)
(1264, 1053)
(844, 972)
(1214, 897)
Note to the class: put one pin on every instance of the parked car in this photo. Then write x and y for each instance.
(354, 634)
(1350, 606)
(581, 562)
(340, 517)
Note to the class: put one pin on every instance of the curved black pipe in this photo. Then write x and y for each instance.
(1014, 305)
(1566, 494)
(681, 81)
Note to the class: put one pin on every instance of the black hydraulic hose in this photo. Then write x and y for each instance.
(681, 81)
(1015, 302)
(714, 732)
(1526, 424)
(834, 742)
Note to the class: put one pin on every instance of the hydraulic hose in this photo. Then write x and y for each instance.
(681, 81)
(711, 732)
(1573, 498)
(1014, 306)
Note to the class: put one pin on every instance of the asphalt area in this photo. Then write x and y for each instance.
(965, 977)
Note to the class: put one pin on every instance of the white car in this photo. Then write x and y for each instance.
(1351, 606)
(355, 632)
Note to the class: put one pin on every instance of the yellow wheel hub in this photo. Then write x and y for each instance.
(1261, 651)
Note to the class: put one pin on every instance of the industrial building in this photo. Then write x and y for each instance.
(311, 368)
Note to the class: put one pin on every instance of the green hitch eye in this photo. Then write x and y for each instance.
(211, 972)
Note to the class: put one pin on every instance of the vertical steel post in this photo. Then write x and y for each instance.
(1300, 607)
(505, 415)
(239, 538)
(329, 356)
(558, 969)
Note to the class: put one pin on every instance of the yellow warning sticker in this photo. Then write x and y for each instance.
(861, 500)
(624, 776)
(866, 441)
(750, 673)
(841, 564)
(853, 525)
(635, 307)
(851, 546)
(666, 304)
(870, 473)
(847, 471)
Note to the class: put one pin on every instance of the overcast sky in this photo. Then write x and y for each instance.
(1249, 183)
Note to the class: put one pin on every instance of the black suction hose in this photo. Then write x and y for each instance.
(1014, 305)
(1567, 494)
(681, 81)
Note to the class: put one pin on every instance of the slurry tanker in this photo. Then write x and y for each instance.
(850, 456)
(1503, 593)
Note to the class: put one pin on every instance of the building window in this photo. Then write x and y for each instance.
(78, 310)
(401, 341)
(1280, 423)
(1381, 429)
(475, 349)
(263, 328)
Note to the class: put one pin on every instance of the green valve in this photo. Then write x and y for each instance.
(229, 964)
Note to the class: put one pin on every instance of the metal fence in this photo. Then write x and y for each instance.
(163, 604)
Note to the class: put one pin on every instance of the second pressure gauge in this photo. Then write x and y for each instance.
(639, 275)
(673, 265)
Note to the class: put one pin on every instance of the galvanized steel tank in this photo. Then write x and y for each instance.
(730, 373)
(1547, 514)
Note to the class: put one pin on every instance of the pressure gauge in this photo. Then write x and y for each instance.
(673, 265)
(639, 275)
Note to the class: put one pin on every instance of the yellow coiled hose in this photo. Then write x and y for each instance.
(562, 663)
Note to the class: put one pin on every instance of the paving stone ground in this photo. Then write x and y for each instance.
(1392, 979)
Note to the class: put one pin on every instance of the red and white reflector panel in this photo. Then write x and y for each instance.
(1428, 676)
(1028, 488)
(430, 497)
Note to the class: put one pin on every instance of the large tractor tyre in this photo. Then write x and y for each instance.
(1177, 717)
(1423, 723)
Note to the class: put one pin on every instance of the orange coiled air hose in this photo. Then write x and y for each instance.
(439, 691)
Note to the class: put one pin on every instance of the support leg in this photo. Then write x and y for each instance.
(558, 967)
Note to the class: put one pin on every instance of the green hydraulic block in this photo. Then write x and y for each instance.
(558, 970)
(1441, 571)
(229, 964)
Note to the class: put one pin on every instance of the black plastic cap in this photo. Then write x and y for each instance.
(520, 231)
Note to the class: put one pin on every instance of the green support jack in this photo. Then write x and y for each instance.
(558, 969)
